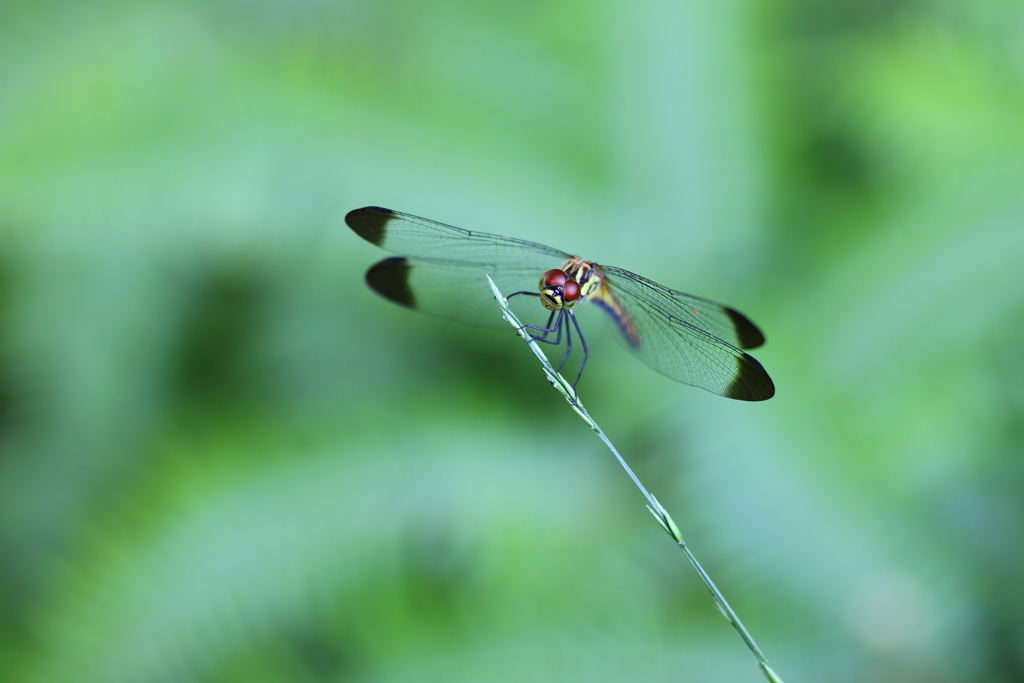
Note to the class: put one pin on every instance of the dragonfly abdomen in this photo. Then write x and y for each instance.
(608, 303)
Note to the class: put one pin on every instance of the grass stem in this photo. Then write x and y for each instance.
(655, 508)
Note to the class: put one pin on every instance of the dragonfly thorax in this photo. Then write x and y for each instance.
(558, 291)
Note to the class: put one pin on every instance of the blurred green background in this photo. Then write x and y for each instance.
(223, 458)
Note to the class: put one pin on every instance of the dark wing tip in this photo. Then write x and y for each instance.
(751, 382)
(370, 223)
(390, 279)
(746, 332)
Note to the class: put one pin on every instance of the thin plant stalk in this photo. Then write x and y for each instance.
(656, 509)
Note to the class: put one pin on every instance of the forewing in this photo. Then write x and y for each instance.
(727, 324)
(687, 338)
(406, 235)
(454, 290)
(441, 268)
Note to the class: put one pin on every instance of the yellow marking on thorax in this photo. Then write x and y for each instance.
(587, 273)
(594, 287)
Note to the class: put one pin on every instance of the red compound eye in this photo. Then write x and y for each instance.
(571, 290)
(554, 277)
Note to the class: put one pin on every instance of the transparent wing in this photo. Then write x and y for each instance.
(420, 238)
(457, 291)
(687, 338)
(722, 322)
(441, 268)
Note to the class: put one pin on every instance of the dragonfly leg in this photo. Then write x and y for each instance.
(586, 351)
(568, 348)
(524, 292)
(551, 319)
(556, 328)
(545, 330)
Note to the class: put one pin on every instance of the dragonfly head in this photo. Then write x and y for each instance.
(557, 290)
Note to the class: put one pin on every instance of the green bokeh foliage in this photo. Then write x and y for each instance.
(222, 458)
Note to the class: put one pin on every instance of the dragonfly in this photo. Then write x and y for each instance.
(439, 269)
